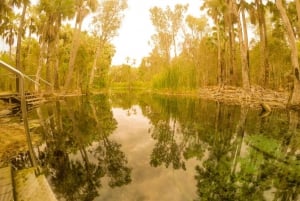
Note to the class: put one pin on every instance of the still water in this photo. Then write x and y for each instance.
(148, 148)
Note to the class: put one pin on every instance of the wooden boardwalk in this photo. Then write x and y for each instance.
(6, 185)
(13, 101)
(24, 185)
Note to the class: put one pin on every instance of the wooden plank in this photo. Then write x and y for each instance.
(28, 186)
(8, 94)
(6, 185)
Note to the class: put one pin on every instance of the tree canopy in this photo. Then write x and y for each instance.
(230, 43)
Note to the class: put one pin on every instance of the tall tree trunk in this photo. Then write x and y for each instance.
(42, 53)
(246, 77)
(294, 99)
(94, 67)
(49, 65)
(243, 41)
(174, 44)
(19, 41)
(56, 56)
(231, 49)
(40, 66)
(298, 14)
(220, 59)
(264, 50)
(73, 55)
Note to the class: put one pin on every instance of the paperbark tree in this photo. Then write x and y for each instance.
(167, 24)
(216, 9)
(243, 42)
(53, 13)
(176, 17)
(106, 22)
(83, 7)
(230, 19)
(258, 17)
(294, 99)
(193, 42)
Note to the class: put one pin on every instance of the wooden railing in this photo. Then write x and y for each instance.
(21, 92)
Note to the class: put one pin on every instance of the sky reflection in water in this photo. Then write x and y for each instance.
(150, 147)
(148, 183)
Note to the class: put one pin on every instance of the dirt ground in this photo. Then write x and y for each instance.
(12, 140)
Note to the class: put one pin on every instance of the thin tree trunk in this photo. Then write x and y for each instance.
(93, 70)
(298, 14)
(40, 66)
(220, 60)
(48, 66)
(19, 41)
(243, 40)
(246, 77)
(41, 58)
(294, 98)
(56, 62)
(231, 41)
(174, 44)
(74, 51)
(264, 50)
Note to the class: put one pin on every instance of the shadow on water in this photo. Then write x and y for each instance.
(238, 154)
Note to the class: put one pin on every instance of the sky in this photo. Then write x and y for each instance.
(136, 28)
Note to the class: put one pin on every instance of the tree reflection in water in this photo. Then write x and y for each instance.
(166, 150)
(239, 159)
(239, 155)
(78, 152)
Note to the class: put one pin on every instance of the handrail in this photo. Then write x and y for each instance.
(32, 80)
(44, 81)
(21, 77)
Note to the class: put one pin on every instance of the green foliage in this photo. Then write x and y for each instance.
(184, 55)
(7, 82)
(266, 145)
(126, 77)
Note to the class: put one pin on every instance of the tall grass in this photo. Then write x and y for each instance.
(176, 77)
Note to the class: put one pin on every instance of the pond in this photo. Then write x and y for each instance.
(131, 146)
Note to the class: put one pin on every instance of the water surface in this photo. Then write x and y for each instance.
(150, 147)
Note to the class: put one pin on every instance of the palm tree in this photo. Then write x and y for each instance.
(5, 12)
(54, 13)
(21, 31)
(9, 32)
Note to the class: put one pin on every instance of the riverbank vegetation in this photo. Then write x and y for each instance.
(244, 45)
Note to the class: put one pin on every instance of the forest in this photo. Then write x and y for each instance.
(244, 44)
